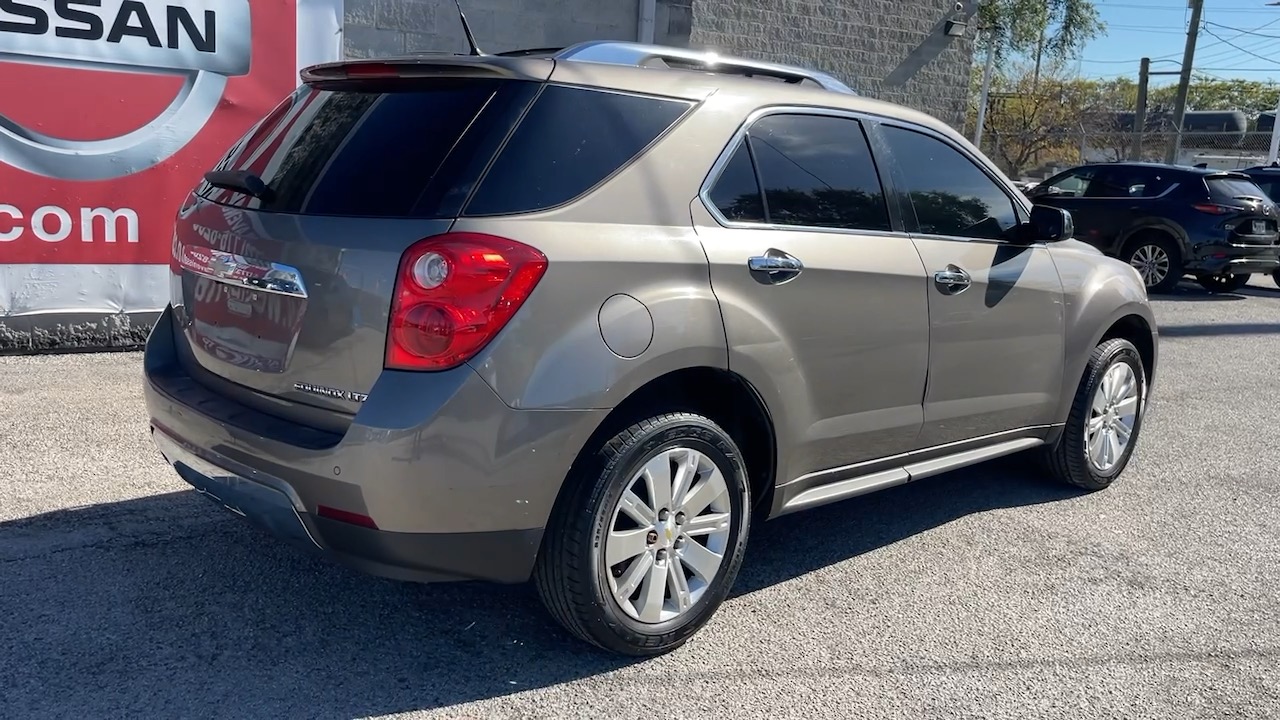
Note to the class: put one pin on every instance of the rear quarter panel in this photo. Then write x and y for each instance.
(553, 354)
(632, 235)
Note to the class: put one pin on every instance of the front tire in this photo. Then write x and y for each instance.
(648, 540)
(1106, 418)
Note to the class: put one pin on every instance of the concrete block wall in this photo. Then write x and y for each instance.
(376, 28)
(892, 49)
(895, 50)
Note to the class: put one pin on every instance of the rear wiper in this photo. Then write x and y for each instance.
(244, 181)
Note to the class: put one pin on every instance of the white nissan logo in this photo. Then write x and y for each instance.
(204, 41)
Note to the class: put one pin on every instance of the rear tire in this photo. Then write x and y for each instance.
(1275, 277)
(1106, 418)
(1157, 259)
(632, 578)
(1225, 283)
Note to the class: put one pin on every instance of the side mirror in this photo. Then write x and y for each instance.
(1050, 224)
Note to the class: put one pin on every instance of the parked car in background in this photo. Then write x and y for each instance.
(1170, 221)
(584, 316)
(1267, 177)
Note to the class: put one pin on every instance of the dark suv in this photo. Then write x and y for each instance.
(1169, 221)
(1267, 177)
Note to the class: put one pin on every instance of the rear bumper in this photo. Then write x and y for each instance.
(1234, 259)
(272, 505)
(458, 484)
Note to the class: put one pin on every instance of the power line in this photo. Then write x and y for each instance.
(1225, 50)
(1215, 53)
(1127, 62)
(1131, 6)
(1248, 32)
(1247, 52)
(1165, 31)
(1228, 69)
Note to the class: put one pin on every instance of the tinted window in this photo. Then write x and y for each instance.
(1072, 184)
(1230, 188)
(950, 194)
(1122, 181)
(571, 140)
(368, 153)
(817, 171)
(1270, 187)
(737, 193)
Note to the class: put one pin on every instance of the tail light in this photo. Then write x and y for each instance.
(453, 294)
(1215, 209)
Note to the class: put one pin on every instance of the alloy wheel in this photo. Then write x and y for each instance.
(1152, 263)
(668, 535)
(1113, 414)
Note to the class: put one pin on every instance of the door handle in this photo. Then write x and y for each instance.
(775, 266)
(952, 280)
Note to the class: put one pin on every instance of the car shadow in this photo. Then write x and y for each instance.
(1190, 292)
(1218, 330)
(165, 604)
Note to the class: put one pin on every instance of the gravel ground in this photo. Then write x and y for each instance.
(986, 593)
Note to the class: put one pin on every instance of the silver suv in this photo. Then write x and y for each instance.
(581, 317)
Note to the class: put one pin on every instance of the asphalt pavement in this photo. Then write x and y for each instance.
(987, 593)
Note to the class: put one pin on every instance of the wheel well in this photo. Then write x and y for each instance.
(719, 395)
(1148, 232)
(1134, 329)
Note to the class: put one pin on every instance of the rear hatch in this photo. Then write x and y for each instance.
(1249, 217)
(286, 260)
(285, 265)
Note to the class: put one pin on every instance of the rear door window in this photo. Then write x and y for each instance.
(736, 193)
(407, 152)
(817, 171)
(1131, 182)
(571, 140)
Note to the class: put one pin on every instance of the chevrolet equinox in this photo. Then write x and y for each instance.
(581, 317)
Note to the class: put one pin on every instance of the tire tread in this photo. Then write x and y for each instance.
(1065, 459)
(559, 576)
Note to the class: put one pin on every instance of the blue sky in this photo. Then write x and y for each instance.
(1238, 39)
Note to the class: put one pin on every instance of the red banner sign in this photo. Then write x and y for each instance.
(111, 110)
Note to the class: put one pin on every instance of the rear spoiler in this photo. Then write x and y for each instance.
(438, 66)
(1221, 174)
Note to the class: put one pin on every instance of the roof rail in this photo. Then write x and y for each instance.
(615, 52)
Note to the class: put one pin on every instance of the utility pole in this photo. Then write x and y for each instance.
(985, 95)
(1140, 115)
(1273, 155)
(1184, 81)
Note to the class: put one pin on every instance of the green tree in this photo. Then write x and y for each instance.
(1036, 29)
(1207, 93)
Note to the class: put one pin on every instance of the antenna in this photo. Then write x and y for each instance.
(466, 27)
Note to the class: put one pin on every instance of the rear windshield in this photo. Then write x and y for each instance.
(420, 149)
(1232, 188)
(371, 153)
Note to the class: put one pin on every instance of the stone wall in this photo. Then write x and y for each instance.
(895, 50)
(892, 49)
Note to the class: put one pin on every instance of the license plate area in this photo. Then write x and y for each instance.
(1258, 227)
